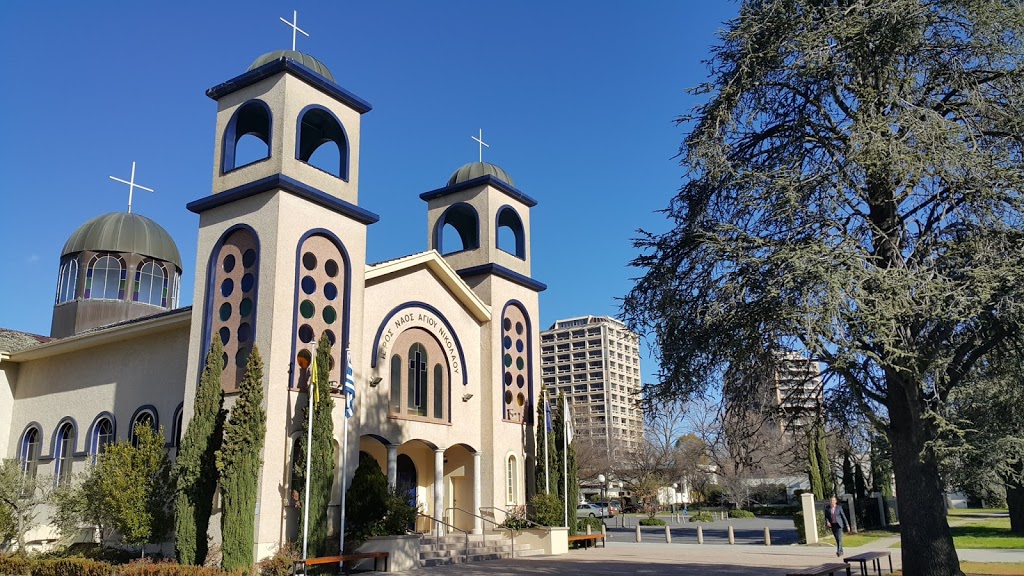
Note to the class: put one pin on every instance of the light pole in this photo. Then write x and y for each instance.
(601, 480)
(675, 495)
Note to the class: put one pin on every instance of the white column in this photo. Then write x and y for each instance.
(392, 465)
(439, 488)
(477, 522)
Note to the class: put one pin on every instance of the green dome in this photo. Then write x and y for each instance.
(304, 59)
(478, 169)
(123, 232)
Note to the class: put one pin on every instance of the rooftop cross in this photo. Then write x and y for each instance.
(294, 25)
(481, 143)
(131, 186)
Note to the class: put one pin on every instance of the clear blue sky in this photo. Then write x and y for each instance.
(576, 98)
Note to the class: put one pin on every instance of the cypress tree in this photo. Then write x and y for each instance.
(860, 483)
(543, 436)
(828, 479)
(196, 463)
(557, 456)
(848, 480)
(813, 473)
(321, 465)
(239, 461)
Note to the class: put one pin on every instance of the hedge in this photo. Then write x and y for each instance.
(651, 522)
(702, 517)
(798, 521)
(740, 514)
(595, 525)
(20, 565)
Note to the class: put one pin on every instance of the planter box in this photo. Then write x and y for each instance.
(403, 552)
(554, 540)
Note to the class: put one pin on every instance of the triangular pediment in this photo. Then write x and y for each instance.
(432, 261)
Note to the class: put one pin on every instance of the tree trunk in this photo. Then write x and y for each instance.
(926, 540)
(1015, 501)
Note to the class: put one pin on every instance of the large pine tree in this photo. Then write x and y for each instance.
(196, 463)
(238, 462)
(322, 465)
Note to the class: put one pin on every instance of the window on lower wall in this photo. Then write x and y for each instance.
(511, 480)
(30, 451)
(65, 450)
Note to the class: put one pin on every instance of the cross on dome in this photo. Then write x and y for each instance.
(294, 25)
(481, 143)
(131, 186)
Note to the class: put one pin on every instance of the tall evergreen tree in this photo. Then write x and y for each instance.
(860, 483)
(813, 471)
(322, 466)
(543, 436)
(196, 463)
(828, 477)
(564, 485)
(238, 462)
(848, 479)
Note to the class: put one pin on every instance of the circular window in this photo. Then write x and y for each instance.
(521, 399)
(303, 359)
(225, 335)
(507, 324)
(520, 381)
(309, 261)
(308, 285)
(227, 287)
(307, 309)
(506, 342)
(225, 363)
(247, 282)
(306, 333)
(330, 362)
(508, 360)
(508, 394)
(330, 315)
(249, 258)
(331, 268)
(244, 333)
(519, 327)
(245, 307)
(225, 311)
(519, 346)
(520, 363)
(330, 291)
(330, 336)
(229, 263)
(241, 357)
(508, 378)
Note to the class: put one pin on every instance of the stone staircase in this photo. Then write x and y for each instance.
(454, 549)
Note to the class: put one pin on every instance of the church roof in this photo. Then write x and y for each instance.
(304, 59)
(13, 340)
(478, 169)
(124, 232)
(440, 268)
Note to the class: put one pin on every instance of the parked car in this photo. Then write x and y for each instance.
(611, 508)
(591, 510)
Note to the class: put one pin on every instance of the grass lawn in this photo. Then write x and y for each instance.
(865, 537)
(988, 533)
(975, 511)
(987, 568)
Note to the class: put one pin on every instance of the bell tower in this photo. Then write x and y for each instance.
(281, 252)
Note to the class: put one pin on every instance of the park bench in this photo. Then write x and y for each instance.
(301, 566)
(876, 561)
(587, 539)
(823, 570)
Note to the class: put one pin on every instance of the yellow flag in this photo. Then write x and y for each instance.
(315, 379)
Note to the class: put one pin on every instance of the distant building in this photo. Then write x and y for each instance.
(790, 392)
(595, 362)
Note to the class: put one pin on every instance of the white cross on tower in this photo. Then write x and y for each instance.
(481, 143)
(294, 25)
(131, 186)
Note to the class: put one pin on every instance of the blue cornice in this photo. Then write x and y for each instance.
(282, 182)
(487, 179)
(305, 74)
(502, 272)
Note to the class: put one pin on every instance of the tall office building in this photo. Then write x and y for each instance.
(595, 362)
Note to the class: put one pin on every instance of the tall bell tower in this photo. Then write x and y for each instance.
(281, 252)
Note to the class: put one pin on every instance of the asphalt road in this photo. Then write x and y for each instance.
(746, 531)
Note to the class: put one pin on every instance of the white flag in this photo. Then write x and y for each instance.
(567, 415)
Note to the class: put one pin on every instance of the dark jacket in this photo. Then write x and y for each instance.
(839, 518)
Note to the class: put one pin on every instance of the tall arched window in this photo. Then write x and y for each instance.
(247, 136)
(150, 284)
(65, 448)
(510, 236)
(105, 279)
(320, 135)
(102, 436)
(396, 383)
(417, 382)
(511, 480)
(67, 284)
(175, 290)
(30, 444)
(233, 294)
(177, 431)
(144, 417)
(321, 303)
(419, 387)
(457, 229)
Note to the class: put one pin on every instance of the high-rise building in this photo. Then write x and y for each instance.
(789, 392)
(595, 362)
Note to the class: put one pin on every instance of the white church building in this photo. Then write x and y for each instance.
(444, 347)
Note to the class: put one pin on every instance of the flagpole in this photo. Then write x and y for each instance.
(547, 432)
(309, 451)
(344, 452)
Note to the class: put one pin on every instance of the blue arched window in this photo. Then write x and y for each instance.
(247, 136)
(145, 416)
(64, 450)
(67, 284)
(102, 436)
(457, 229)
(510, 236)
(321, 136)
(150, 284)
(516, 362)
(31, 442)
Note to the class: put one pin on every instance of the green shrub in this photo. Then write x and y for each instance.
(71, 567)
(594, 523)
(21, 565)
(702, 517)
(372, 509)
(740, 514)
(775, 510)
(15, 564)
(547, 510)
(281, 563)
(515, 520)
(798, 521)
(651, 522)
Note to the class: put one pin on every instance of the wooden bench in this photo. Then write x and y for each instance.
(301, 566)
(876, 561)
(823, 570)
(588, 538)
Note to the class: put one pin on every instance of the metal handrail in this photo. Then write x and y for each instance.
(506, 512)
(465, 552)
(496, 524)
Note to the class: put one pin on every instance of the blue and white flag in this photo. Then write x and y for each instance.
(547, 413)
(350, 386)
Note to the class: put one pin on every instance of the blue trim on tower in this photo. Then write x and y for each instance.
(487, 179)
(282, 182)
(345, 308)
(502, 272)
(520, 232)
(345, 154)
(305, 74)
(434, 311)
(231, 136)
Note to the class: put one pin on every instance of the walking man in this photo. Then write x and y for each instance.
(835, 517)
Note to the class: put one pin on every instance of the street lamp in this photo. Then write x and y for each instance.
(675, 495)
(601, 480)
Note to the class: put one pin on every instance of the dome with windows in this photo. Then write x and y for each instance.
(478, 169)
(294, 55)
(123, 232)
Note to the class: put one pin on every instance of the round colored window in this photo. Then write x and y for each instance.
(241, 357)
(308, 285)
(508, 394)
(247, 282)
(508, 360)
(225, 311)
(507, 324)
(225, 335)
(249, 258)
(508, 378)
(519, 346)
(245, 307)
(227, 287)
(307, 309)
(306, 333)
(330, 336)
(519, 327)
(309, 261)
(331, 268)
(330, 315)
(520, 399)
(330, 291)
(225, 364)
(506, 342)
(520, 381)
(520, 363)
(244, 333)
(229, 262)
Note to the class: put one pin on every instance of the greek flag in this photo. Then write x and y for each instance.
(547, 413)
(350, 386)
